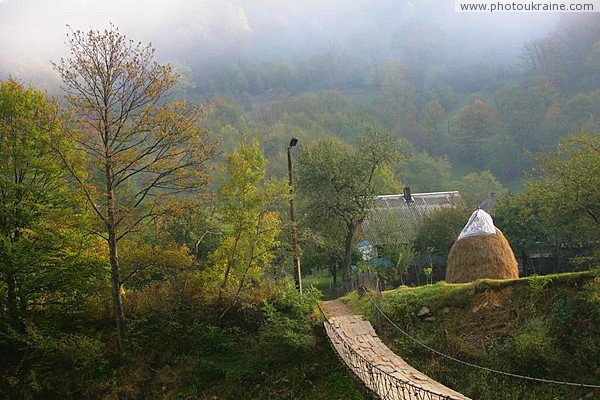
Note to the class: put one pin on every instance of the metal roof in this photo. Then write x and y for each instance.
(392, 216)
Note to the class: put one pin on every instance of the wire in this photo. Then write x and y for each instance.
(374, 372)
(584, 385)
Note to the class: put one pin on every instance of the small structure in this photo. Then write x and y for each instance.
(481, 252)
(397, 216)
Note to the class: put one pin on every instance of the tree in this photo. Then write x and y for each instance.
(476, 187)
(336, 185)
(503, 157)
(523, 109)
(328, 64)
(566, 190)
(520, 219)
(592, 65)
(137, 148)
(430, 120)
(424, 173)
(417, 41)
(437, 232)
(37, 209)
(583, 111)
(541, 57)
(247, 206)
(475, 122)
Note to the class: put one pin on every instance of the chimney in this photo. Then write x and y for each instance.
(407, 196)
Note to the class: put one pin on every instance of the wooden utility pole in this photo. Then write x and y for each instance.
(295, 251)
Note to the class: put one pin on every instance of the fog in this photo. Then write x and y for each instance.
(211, 32)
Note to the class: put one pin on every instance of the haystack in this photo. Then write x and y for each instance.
(481, 256)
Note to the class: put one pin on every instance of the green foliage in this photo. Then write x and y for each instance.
(518, 216)
(385, 183)
(425, 173)
(402, 256)
(336, 186)
(267, 347)
(503, 157)
(247, 206)
(288, 319)
(539, 326)
(527, 109)
(476, 187)
(44, 259)
(61, 363)
(537, 283)
(572, 172)
(437, 233)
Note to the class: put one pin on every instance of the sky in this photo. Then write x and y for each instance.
(33, 32)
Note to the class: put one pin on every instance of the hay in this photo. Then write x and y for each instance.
(481, 257)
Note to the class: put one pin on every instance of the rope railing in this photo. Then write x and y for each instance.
(383, 383)
(459, 361)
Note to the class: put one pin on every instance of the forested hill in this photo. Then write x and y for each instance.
(454, 118)
(148, 246)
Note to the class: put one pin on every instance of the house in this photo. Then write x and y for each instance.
(397, 216)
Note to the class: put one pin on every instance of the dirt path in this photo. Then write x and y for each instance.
(335, 308)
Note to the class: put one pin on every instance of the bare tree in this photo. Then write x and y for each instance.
(417, 41)
(137, 148)
(540, 57)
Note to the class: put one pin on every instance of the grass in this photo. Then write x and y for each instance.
(321, 281)
(545, 327)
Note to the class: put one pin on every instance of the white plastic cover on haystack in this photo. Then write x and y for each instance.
(480, 224)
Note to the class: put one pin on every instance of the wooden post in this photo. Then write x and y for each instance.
(378, 302)
(295, 251)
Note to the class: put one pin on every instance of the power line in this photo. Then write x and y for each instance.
(583, 385)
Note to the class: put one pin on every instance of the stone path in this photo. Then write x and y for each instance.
(382, 371)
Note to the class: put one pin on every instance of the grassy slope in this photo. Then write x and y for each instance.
(547, 327)
(316, 374)
(288, 357)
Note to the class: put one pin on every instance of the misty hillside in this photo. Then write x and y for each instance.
(467, 93)
(181, 182)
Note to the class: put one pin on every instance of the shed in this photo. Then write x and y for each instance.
(400, 214)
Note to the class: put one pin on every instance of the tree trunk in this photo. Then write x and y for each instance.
(524, 260)
(13, 303)
(334, 274)
(116, 288)
(346, 271)
(114, 258)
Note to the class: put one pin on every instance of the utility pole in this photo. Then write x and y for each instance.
(295, 252)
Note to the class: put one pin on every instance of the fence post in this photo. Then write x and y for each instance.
(378, 302)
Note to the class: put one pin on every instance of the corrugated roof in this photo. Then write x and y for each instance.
(392, 216)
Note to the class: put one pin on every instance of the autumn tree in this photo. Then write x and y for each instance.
(328, 64)
(247, 206)
(38, 212)
(541, 57)
(474, 123)
(337, 186)
(137, 147)
(432, 115)
(417, 41)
